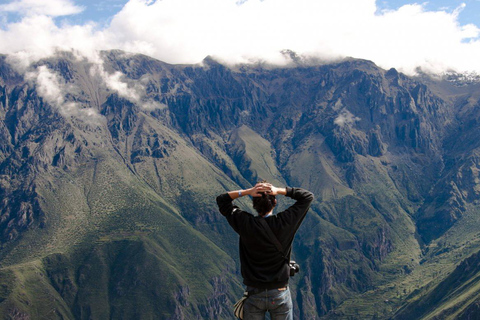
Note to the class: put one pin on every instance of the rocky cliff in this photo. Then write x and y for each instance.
(109, 171)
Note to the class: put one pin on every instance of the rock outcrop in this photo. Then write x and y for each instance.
(108, 175)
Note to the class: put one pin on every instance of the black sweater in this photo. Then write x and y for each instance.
(262, 264)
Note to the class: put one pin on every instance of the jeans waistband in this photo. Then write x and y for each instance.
(252, 290)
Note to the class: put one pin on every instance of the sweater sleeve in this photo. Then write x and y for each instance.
(225, 204)
(234, 215)
(295, 214)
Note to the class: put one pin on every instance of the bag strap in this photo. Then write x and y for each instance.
(272, 237)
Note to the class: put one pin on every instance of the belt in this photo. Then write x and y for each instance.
(251, 291)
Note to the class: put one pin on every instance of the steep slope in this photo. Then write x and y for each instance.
(449, 219)
(103, 240)
(456, 297)
(109, 173)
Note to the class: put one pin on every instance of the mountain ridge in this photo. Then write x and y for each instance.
(100, 163)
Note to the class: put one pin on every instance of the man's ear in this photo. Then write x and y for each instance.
(275, 202)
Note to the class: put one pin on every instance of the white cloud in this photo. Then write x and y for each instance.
(37, 37)
(182, 31)
(132, 90)
(185, 31)
(114, 82)
(55, 8)
(345, 118)
(411, 37)
(54, 90)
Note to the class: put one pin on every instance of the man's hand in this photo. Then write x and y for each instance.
(274, 190)
(259, 189)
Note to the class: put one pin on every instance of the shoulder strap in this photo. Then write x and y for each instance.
(272, 237)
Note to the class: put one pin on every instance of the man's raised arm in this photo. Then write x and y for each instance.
(224, 201)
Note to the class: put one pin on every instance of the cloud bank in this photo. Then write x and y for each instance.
(54, 90)
(58, 92)
(186, 31)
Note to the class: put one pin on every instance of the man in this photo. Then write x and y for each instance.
(265, 272)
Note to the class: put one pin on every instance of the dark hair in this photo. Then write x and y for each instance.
(264, 204)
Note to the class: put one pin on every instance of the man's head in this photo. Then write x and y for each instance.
(264, 204)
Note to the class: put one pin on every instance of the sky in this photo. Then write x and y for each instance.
(436, 36)
(469, 14)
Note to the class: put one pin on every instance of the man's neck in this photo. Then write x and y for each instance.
(268, 214)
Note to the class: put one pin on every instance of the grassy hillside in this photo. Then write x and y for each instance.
(108, 195)
(111, 237)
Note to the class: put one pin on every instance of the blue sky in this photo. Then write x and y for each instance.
(436, 35)
(470, 14)
(100, 11)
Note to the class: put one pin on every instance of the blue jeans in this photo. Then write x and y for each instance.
(277, 302)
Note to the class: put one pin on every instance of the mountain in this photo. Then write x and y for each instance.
(109, 169)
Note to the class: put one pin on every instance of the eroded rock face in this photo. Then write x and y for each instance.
(138, 148)
(358, 108)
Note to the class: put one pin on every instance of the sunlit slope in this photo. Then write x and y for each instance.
(116, 239)
(108, 187)
(112, 240)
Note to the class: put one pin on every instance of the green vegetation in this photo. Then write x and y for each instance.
(116, 218)
(113, 241)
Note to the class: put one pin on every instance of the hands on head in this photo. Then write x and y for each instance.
(263, 187)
